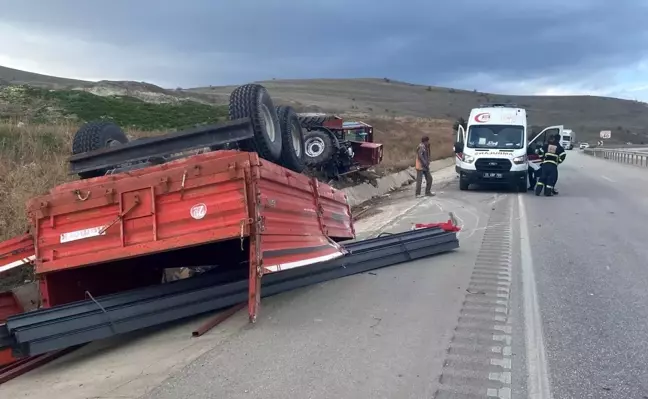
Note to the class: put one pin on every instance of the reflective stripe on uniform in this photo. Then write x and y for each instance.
(548, 161)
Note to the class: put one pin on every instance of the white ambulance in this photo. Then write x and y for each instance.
(495, 147)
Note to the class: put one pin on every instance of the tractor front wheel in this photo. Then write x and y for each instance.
(318, 147)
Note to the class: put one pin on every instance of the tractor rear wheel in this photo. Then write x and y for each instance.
(292, 152)
(253, 101)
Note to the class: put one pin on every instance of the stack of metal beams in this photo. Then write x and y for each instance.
(64, 326)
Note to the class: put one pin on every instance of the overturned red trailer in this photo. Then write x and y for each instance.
(100, 245)
(225, 208)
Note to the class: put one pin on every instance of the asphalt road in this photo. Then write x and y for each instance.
(542, 290)
(590, 257)
(432, 329)
(383, 334)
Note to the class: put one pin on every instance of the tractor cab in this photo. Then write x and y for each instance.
(358, 131)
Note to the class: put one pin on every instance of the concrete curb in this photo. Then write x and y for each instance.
(364, 192)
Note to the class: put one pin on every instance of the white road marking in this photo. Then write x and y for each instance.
(607, 178)
(538, 381)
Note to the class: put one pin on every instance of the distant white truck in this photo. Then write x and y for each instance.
(567, 139)
(494, 148)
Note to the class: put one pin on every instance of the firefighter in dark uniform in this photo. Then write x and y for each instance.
(551, 154)
(561, 159)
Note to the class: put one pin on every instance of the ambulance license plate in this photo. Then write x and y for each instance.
(493, 175)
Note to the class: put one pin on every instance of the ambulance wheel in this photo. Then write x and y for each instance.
(522, 186)
(463, 185)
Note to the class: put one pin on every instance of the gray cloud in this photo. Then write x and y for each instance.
(548, 42)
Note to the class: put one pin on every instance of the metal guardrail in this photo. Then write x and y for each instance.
(620, 156)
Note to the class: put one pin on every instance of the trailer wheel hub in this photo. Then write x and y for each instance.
(267, 121)
(296, 139)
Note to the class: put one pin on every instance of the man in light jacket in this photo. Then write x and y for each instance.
(423, 167)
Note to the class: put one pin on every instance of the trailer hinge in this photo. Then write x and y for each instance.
(165, 182)
(196, 170)
(244, 222)
(110, 195)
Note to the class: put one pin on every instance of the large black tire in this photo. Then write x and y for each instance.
(319, 147)
(253, 101)
(292, 136)
(94, 136)
(309, 120)
(463, 185)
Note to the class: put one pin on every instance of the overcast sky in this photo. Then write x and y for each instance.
(510, 46)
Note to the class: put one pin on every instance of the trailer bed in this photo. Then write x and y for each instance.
(111, 233)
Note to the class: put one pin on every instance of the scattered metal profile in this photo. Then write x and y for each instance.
(60, 327)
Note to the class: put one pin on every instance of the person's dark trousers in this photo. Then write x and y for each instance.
(549, 175)
(556, 182)
(419, 180)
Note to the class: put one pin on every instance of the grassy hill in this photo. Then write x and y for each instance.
(33, 155)
(587, 115)
(46, 106)
(18, 77)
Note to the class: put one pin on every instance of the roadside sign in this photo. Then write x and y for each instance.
(606, 134)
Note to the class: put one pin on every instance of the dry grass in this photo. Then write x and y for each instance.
(33, 158)
(401, 136)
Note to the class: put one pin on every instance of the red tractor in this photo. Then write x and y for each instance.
(336, 148)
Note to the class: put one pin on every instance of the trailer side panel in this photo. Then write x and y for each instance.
(193, 201)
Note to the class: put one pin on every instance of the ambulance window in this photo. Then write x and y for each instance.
(495, 136)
